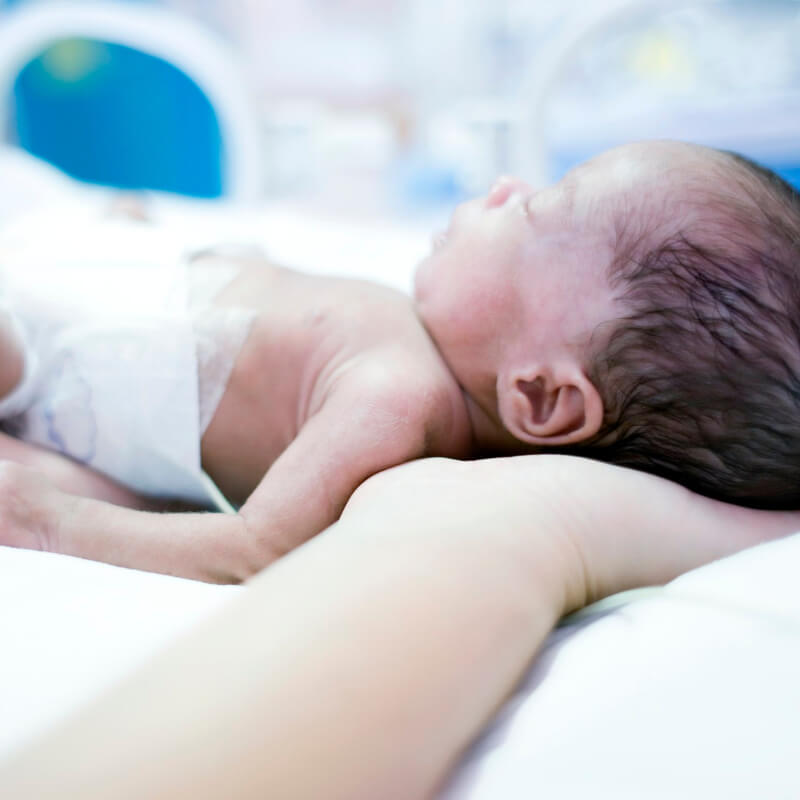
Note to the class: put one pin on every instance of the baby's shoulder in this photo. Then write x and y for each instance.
(410, 385)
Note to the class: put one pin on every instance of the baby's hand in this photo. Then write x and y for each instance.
(30, 507)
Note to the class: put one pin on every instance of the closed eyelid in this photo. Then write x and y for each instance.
(569, 186)
(526, 206)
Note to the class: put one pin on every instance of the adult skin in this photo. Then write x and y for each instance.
(362, 664)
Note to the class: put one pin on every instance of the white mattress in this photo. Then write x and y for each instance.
(69, 628)
(691, 691)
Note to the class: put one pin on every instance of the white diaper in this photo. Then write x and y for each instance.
(219, 333)
(126, 358)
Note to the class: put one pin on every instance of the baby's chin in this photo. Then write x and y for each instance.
(420, 288)
(423, 274)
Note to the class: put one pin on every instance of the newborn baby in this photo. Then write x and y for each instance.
(315, 382)
(640, 311)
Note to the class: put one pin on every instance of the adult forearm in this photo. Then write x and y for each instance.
(363, 663)
(357, 667)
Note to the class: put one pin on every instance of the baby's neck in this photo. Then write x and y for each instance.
(489, 436)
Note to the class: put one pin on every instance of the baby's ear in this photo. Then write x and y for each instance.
(549, 405)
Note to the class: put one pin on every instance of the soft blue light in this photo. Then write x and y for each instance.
(113, 115)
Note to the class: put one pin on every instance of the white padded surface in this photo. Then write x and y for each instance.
(689, 692)
(69, 628)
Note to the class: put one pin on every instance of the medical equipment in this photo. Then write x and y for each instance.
(697, 54)
(204, 75)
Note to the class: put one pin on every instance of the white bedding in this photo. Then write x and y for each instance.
(69, 628)
(691, 691)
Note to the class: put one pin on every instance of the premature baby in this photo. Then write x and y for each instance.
(641, 310)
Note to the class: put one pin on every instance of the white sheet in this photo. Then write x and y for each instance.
(689, 692)
(69, 628)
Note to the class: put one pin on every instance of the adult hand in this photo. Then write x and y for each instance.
(612, 528)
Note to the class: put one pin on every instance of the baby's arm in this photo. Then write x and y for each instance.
(348, 440)
(361, 430)
(70, 476)
(35, 514)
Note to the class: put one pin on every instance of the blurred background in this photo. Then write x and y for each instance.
(387, 107)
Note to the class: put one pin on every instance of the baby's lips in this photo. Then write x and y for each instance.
(501, 190)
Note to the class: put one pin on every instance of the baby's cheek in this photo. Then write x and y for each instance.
(452, 331)
(423, 279)
(459, 307)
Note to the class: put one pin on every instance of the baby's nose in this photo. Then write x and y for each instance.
(503, 188)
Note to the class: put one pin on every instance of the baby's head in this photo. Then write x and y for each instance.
(644, 310)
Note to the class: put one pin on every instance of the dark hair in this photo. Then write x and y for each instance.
(701, 376)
